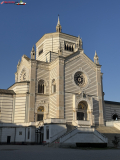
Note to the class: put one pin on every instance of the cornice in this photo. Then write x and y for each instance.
(56, 34)
(18, 83)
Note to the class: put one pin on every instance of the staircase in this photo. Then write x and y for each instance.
(56, 143)
(109, 132)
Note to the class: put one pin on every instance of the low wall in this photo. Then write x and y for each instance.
(115, 124)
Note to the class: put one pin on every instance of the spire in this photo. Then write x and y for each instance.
(58, 27)
(58, 21)
(96, 58)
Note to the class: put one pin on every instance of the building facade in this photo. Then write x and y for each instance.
(58, 85)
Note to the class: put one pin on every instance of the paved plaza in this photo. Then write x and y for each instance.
(38, 152)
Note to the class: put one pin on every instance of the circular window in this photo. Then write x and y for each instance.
(79, 79)
(115, 117)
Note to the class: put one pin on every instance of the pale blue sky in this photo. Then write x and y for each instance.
(96, 21)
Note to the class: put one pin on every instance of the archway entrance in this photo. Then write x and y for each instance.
(40, 113)
(82, 111)
(115, 117)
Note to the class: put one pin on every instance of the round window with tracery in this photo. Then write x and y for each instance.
(79, 79)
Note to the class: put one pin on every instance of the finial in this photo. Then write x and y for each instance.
(18, 62)
(78, 43)
(58, 27)
(33, 53)
(96, 58)
(33, 48)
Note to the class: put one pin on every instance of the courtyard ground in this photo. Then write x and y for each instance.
(38, 152)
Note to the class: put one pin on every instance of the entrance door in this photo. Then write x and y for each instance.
(80, 116)
(8, 139)
(39, 117)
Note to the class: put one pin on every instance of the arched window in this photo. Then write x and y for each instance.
(23, 75)
(72, 49)
(67, 47)
(82, 105)
(40, 113)
(82, 111)
(115, 117)
(53, 86)
(41, 86)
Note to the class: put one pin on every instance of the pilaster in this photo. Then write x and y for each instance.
(100, 94)
(32, 91)
(60, 88)
(27, 109)
(13, 113)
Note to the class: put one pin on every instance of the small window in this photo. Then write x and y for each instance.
(53, 86)
(47, 132)
(28, 133)
(20, 133)
(68, 46)
(41, 86)
(41, 51)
